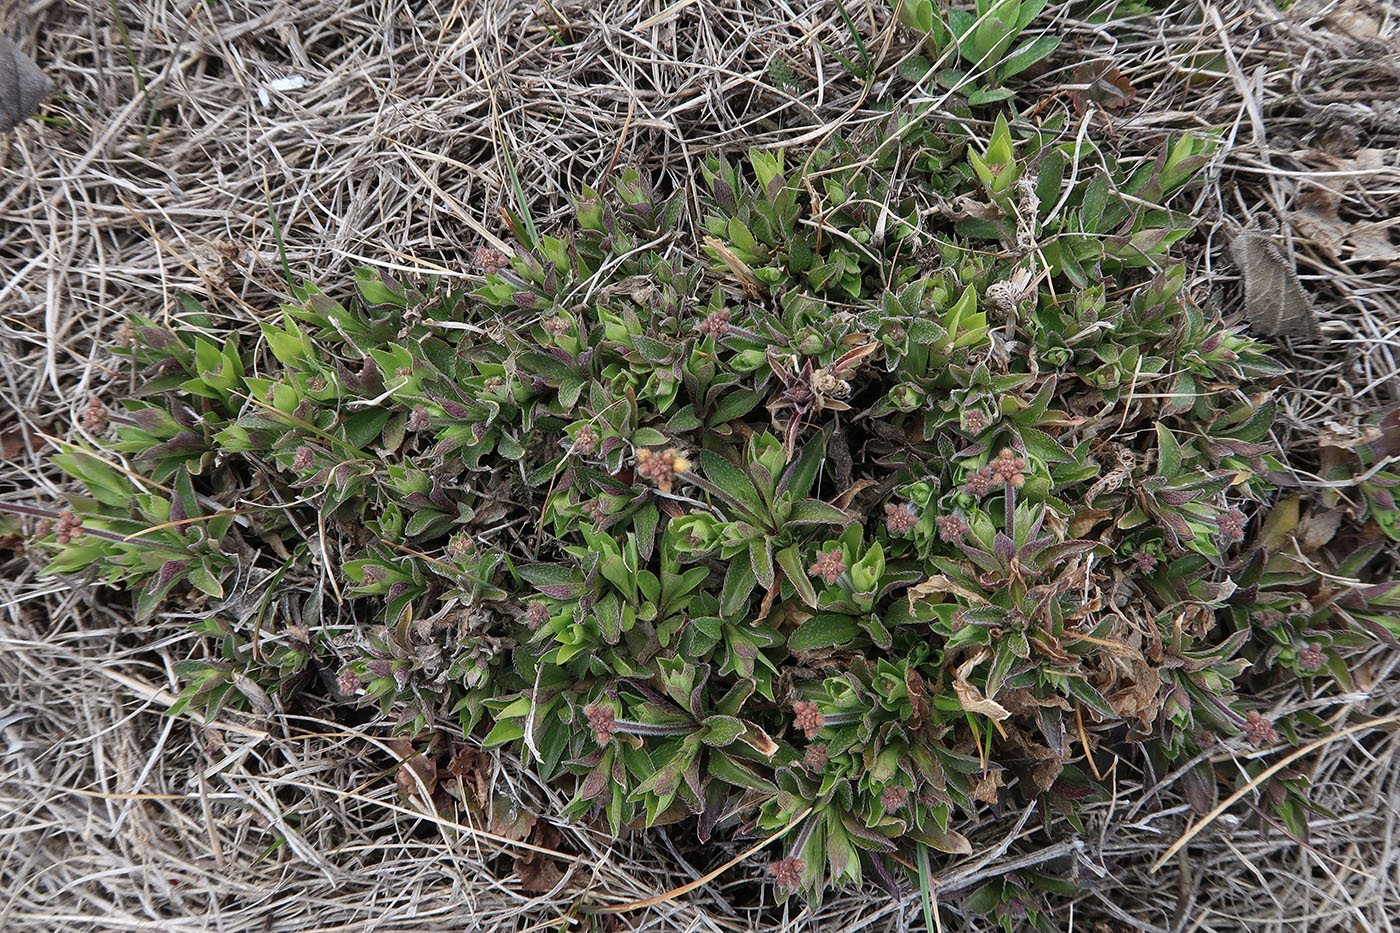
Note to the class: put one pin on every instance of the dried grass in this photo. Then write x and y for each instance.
(394, 154)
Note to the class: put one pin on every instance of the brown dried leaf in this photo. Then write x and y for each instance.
(971, 700)
(1347, 436)
(473, 767)
(22, 85)
(914, 687)
(537, 871)
(1317, 529)
(509, 819)
(753, 286)
(940, 585)
(12, 445)
(425, 769)
(1047, 773)
(987, 785)
(1103, 84)
(1137, 692)
(1274, 300)
(1316, 216)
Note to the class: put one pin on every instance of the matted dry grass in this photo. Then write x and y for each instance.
(393, 154)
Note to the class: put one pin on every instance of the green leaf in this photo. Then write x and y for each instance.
(648, 437)
(731, 482)
(989, 95)
(645, 521)
(363, 427)
(739, 582)
(684, 420)
(816, 512)
(828, 630)
(736, 404)
(1082, 691)
(505, 730)
(761, 557)
(722, 730)
(202, 575)
(733, 771)
(790, 559)
(1042, 445)
(941, 840)
(553, 580)
(608, 612)
(1168, 453)
(1028, 54)
(651, 349)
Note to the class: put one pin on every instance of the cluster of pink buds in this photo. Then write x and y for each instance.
(899, 519)
(1311, 658)
(1258, 729)
(807, 717)
(1006, 469)
(828, 566)
(716, 325)
(602, 721)
(951, 528)
(1231, 525)
(893, 798)
(586, 440)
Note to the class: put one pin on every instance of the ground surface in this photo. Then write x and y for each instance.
(151, 175)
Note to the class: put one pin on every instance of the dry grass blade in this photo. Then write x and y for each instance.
(1254, 783)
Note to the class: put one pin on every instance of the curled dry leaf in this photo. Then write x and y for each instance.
(970, 698)
(940, 585)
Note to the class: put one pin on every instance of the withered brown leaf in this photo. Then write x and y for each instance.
(22, 85)
(1274, 300)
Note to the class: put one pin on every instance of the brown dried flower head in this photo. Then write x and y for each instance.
(661, 468)
(69, 526)
(490, 260)
(893, 798)
(94, 416)
(787, 872)
(536, 614)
